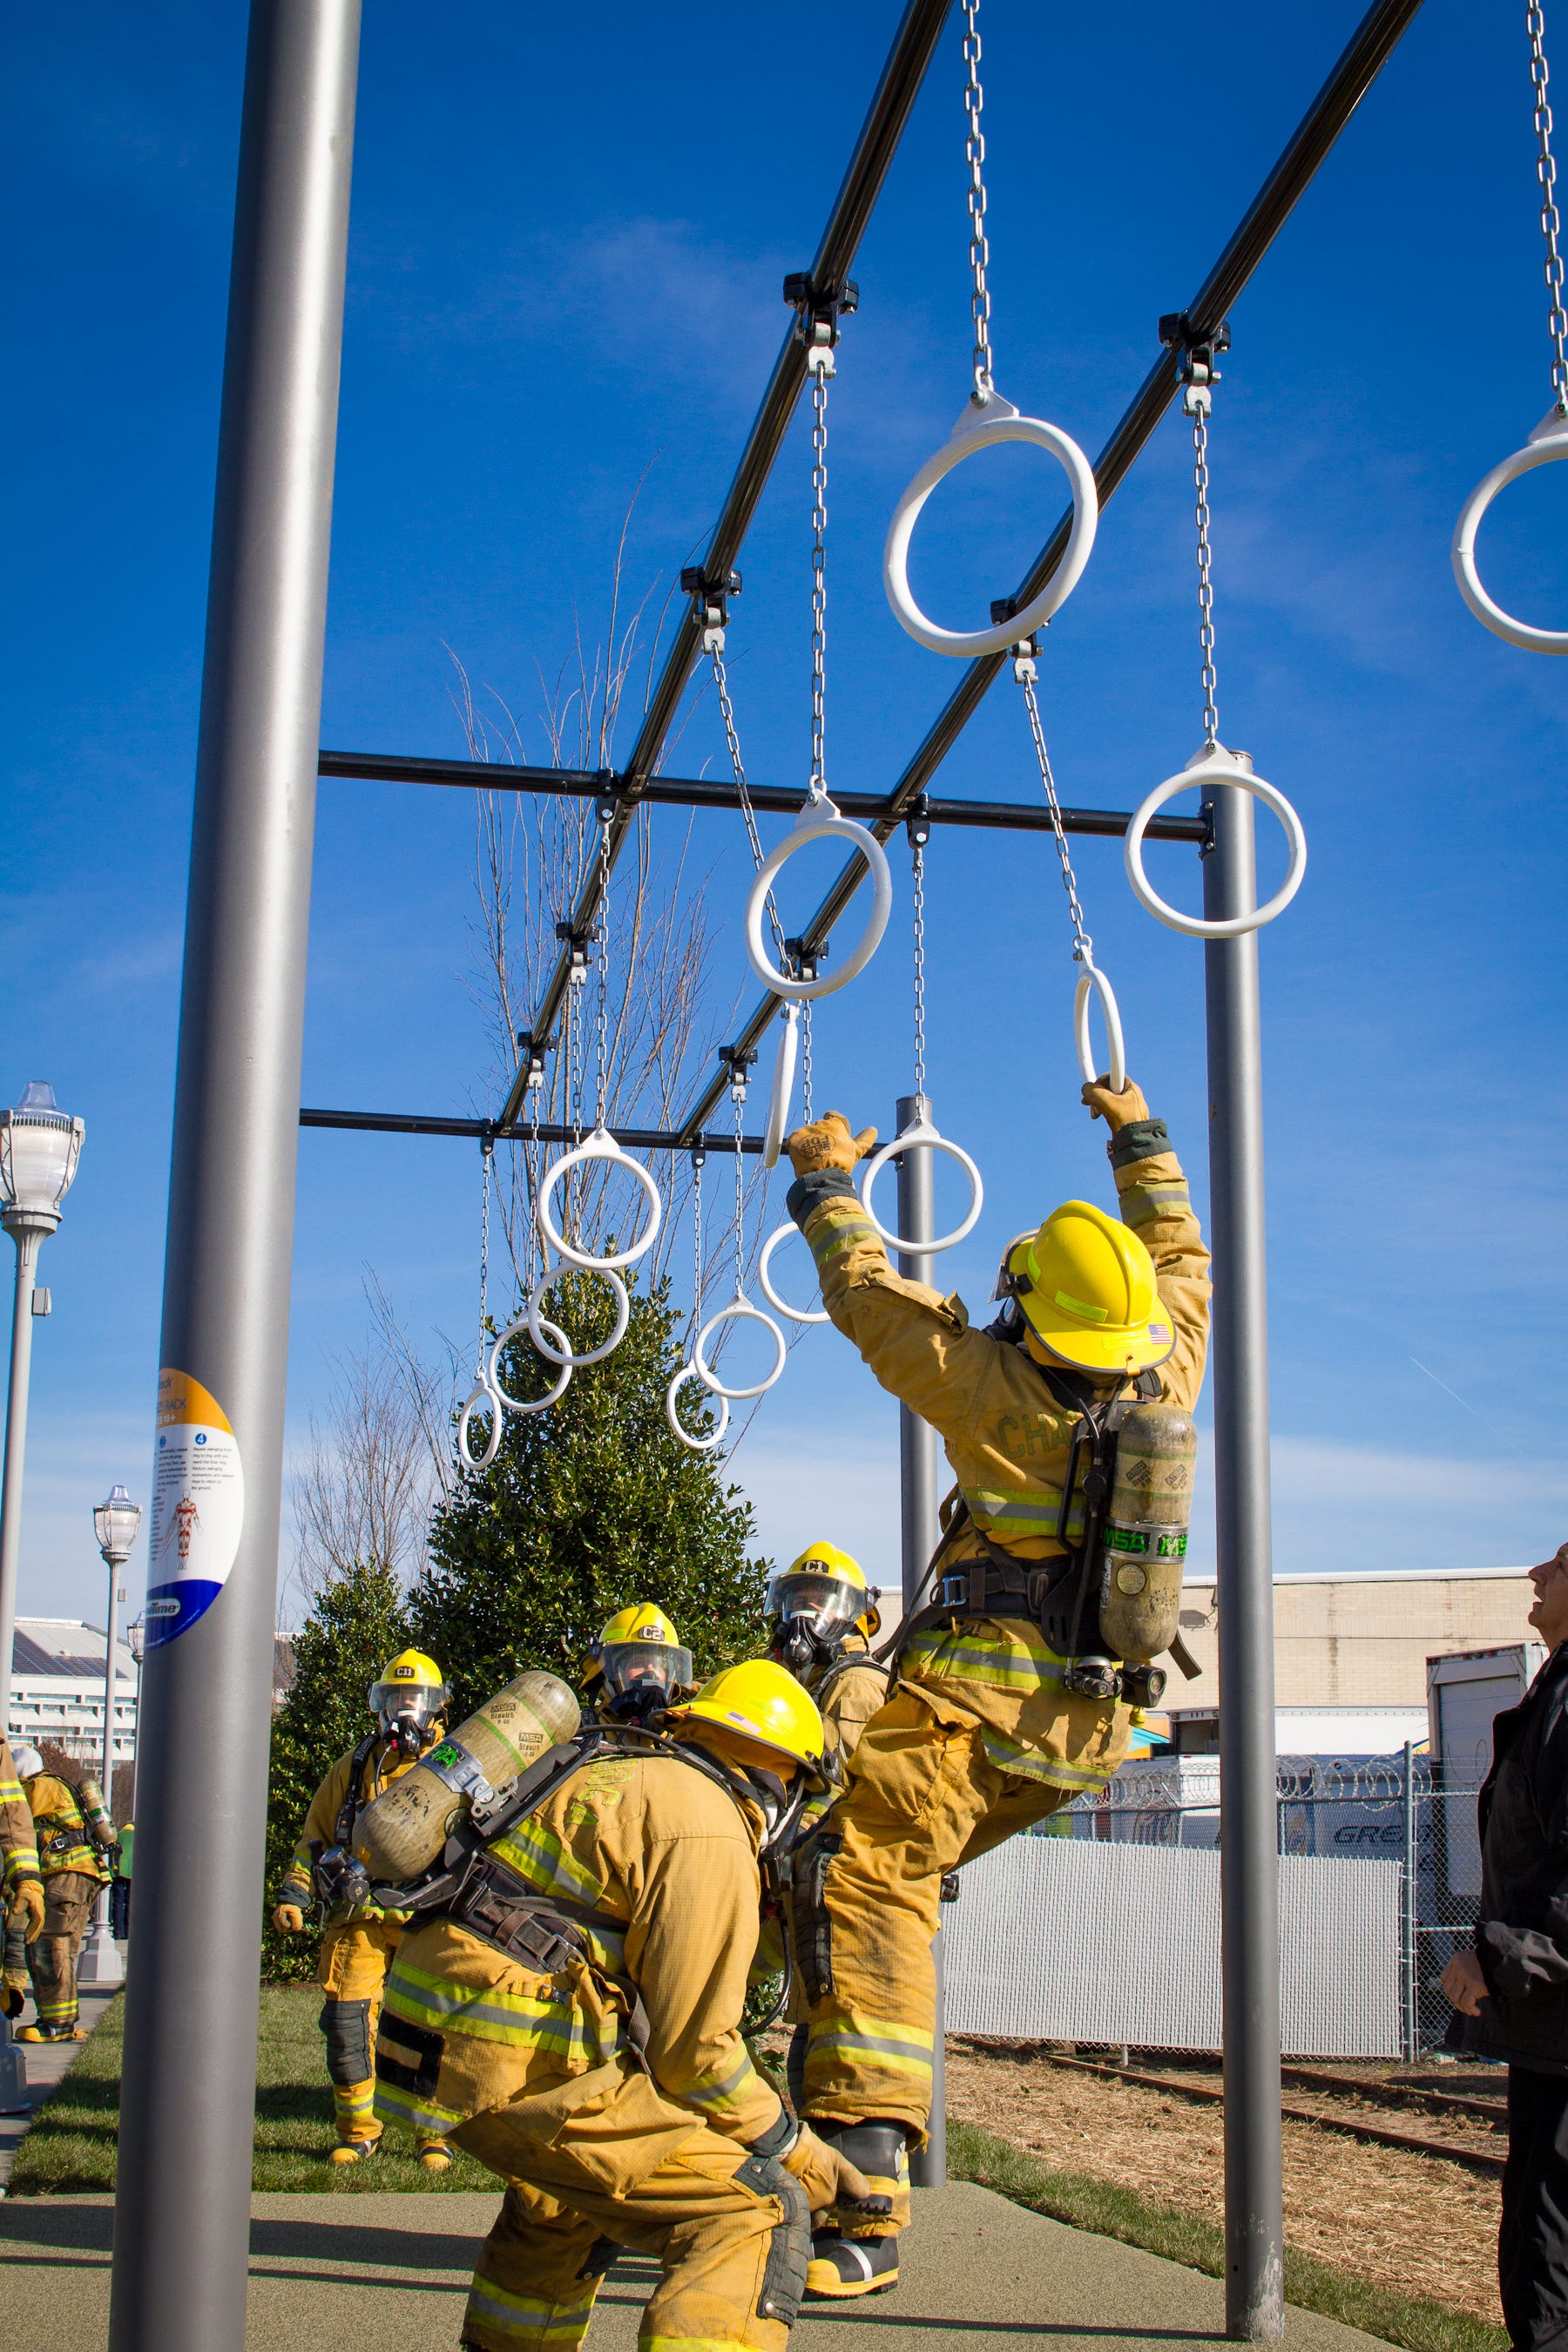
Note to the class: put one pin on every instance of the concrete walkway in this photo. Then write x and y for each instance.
(341, 2273)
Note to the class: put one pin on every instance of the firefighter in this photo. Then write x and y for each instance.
(73, 1831)
(23, 1885)
(999, 1714)
(825, 1619)
(407, 1702)
(571, 2017)
(637, 1667)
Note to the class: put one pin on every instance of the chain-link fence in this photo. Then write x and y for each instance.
(1351, 1810)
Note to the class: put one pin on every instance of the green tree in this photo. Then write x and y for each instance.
(357, 1621)
(587, 1508)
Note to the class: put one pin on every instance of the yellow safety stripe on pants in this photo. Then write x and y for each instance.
(883, 2044)
(1028, 1764)
(354, 2104)
(62, 2011)
(524, 2020)
(527, 2320)
(422, 2116)
(739, 2088)
(1015, 1659)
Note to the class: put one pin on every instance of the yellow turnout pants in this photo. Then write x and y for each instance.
(69, 1898)
(924, 1797)
(355, 1958)
(729, 2230)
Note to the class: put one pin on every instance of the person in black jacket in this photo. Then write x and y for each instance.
(1511, 1987)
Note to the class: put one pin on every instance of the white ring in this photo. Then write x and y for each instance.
(1545, 446)
(1092, 977)
(536, 1325)
(795, 1314)
(977, 429)
(1201, 770)
(483, 1396)
(820, 821)
(697, 1445)
(739, 1309)
(784, 1088)
(921, 1134)
(600, 1144)
(539, 1404)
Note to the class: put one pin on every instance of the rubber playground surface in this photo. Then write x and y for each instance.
(394, 2269)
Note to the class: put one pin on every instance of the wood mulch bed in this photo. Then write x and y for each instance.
(1414, 2223)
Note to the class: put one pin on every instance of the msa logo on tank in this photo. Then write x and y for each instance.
(198, 1506)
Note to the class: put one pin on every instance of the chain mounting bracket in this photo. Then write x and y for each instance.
(1196, 365)
(711, 591)
(917, 823)
(578, 943)
(819, 308)
(804, 962)
(737, 1061)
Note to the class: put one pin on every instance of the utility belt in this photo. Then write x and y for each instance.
(63, 1840)
(501, 1909)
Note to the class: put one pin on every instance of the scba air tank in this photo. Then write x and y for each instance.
(1143, 1538)
(400, 1833)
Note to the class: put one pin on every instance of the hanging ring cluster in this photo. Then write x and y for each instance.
(1549, 442)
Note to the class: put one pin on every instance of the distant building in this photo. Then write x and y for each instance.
(1349, 1654)
(57, 1688)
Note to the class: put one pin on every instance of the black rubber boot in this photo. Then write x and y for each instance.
(843, 2267)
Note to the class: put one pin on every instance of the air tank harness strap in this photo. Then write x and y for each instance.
(348, 1812)
(504, 1911)
(844, 1663)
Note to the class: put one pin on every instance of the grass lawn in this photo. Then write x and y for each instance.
(71, 2147)
(1182, 2237)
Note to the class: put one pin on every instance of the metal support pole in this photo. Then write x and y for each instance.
(183, 2212)
(1249, 1870)
(917, 1524)
(27, 1239)
(1412, 2036)
(100, 1966)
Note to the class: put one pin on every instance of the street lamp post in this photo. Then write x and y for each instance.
(39, 1144)
(115, 1523)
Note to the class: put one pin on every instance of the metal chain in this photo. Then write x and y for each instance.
(738, 1096)
(919, 934)
(714, 641)
(698, 1158)
(1083, 946)
(1197, 403)
(487, 1153)
(1551, 219)
(576, 982)
(979, 245)
(806, 1063)
(602, 1048)
(822, 366)
(530, 1266)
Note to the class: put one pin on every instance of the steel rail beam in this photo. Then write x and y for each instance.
(634, 1138)
(1363, 56)
(913, 47)
(782, 800)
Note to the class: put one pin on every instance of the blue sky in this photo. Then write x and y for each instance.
(568, 239)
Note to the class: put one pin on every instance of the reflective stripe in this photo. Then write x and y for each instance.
(1142, 1204)
(527, 2320)
(540, 1858)
(881, 2044)
(354, 2102)
(526, 2021)
(1017, 1513)
(395, 2107)
(1029, 1764)
(737, 2087)
(1016, 1658)
(22, 1862)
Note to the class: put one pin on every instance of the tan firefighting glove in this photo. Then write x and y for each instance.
(27, 1908)
(827, 1143)
(829, 2178)
(1118, 1111)
(288, 1919)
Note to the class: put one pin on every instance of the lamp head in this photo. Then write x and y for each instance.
(39, 1145)
(115, 1523)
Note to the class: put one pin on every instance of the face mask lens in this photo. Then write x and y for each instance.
(630, 1666)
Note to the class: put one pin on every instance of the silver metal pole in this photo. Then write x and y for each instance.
(1250, 1869)
(1412, 1891)
(27, 1239)
(116, 1570)
(100, 1966)
(917, 1524)
(182, 2215)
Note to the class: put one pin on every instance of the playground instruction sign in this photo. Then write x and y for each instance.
(198, 1506)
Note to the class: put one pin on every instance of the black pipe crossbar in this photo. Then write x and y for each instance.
(692, 792)
(915, 45)
(634, 1138)
(1368, 49)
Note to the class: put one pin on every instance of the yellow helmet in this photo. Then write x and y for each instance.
(760, 1702)
(640, 1655)
(825, 1591)
(409, 1698)
(1086, 1286)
